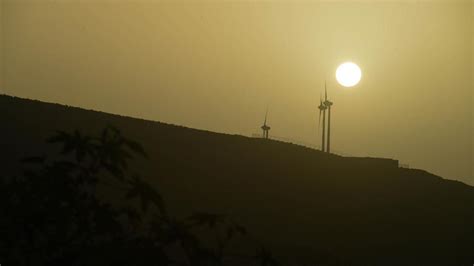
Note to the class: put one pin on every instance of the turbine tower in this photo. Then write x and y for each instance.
(322, 109)
(328, 105)
(265, 127)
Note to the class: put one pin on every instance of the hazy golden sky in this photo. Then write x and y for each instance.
(218, 65)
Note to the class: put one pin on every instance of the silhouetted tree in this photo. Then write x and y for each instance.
(52, 215)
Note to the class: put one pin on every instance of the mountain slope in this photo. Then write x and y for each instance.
(303, 204)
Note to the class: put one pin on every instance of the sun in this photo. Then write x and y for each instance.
(348, 74)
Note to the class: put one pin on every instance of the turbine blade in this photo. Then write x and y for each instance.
(325, 91)
(266, 113)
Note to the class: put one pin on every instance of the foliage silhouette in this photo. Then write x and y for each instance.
(51, 215)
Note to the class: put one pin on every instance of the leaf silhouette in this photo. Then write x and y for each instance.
(146, 194)
(205, 218)
(75, 142)
(240, 229)
(135, 147)
(34, 160)
(265, 258)
(233, 229)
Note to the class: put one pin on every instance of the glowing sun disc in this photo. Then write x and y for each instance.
(348, 74)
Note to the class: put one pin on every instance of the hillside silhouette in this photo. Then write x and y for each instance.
(303, 204)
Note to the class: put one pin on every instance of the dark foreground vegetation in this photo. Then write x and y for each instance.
(52, 216)
(91, 203)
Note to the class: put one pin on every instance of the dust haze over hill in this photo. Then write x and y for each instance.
(217, 65)
(302, 203)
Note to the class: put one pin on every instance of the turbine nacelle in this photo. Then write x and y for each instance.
(328, 103)
(265, 127)
(321, 106)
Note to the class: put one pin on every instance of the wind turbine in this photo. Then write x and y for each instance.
(322, 109)
(328, 105)
(265, 127)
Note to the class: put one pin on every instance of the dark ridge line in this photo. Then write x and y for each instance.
(166, 124)
(204, 131)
